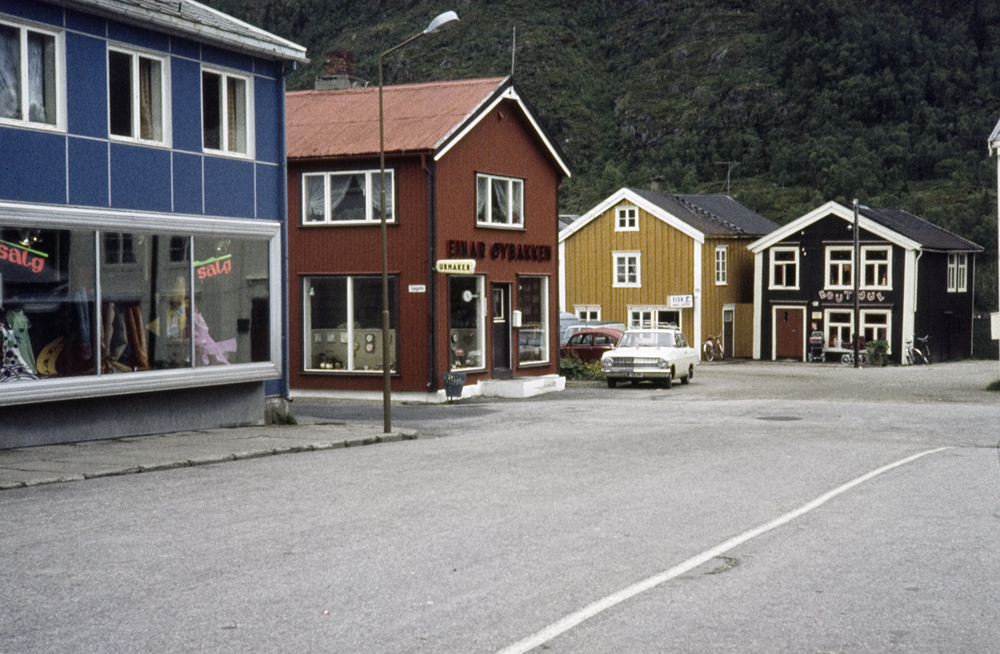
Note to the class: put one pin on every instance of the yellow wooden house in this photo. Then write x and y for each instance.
(645, 257)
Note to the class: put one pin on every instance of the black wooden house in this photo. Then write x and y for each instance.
(916, 280)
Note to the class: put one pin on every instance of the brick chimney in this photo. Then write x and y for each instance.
(340, 62)
(340, 72)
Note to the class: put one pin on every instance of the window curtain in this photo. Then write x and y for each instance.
(377, 195)
(10, 65)
(338, 189)
(146, 99)
(236, 114)
(517, 201)
(317, 198)
(482, 198)
(500, 200)
(36, 78)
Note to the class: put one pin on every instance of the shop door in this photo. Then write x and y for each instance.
(788, 333)
(728, 332)
(501, 332)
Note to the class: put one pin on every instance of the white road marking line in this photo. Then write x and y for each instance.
(572, 620)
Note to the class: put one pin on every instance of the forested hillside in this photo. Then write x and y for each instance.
(887, 101)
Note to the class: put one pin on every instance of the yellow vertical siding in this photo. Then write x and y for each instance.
(666, 265)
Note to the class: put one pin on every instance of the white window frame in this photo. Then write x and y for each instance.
(721, 265)
(110, 220)
(480, 322)
(958, 272)
(164, 99)
(626, 282)
(782, 264)
(876, 327)
(587, 312)
(839, 265)
(866, 250)
(226, 75)
(372, 344)
(843, 345)
(544, 324)
(627, 218)
(58, 75)
(515, 206)
(372, 216)
(645, 316)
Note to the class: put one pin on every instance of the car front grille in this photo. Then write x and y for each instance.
(633, 362)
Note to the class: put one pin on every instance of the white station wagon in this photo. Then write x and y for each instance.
(660, 355)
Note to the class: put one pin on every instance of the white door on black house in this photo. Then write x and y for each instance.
(501, 331)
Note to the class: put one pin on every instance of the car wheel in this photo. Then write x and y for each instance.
(686, 379)
(669, 381)
(612, 383)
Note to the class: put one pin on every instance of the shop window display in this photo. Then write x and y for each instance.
(79, 303)
(343, 317)
(532, 342)
(231, 321)
(47, 303)
(466, 334)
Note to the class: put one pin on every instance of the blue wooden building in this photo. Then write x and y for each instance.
(142, 218)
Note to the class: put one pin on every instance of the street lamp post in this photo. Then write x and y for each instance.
(442, 22)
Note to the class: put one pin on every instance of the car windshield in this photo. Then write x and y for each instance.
(647, 339)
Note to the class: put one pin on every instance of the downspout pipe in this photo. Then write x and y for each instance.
(430, 168)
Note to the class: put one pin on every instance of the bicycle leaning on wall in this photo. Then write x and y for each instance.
(713, 348)
(918, 355)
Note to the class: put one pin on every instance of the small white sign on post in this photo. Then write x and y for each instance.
(680, 301)
(418, 288)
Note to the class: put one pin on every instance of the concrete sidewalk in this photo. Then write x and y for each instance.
(47, 464)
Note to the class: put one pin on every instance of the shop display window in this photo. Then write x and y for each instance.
(81, 302)
(343, 318)
(231, 315)
(466, 332)
(533, 336)
(47, 303)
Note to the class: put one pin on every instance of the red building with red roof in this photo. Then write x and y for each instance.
(471, 184)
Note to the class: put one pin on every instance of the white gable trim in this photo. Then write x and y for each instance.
(834, 209)
(639, 201)
(481, 112)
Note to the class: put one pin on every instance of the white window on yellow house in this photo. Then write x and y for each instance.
(626, 270)
(627, 219)
(721, 263)
(587, 312)
(653, 316)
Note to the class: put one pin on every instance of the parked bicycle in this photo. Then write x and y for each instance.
(918, 355)
(713, 348)
(848, 358)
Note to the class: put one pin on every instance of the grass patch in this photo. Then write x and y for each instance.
(994, 386)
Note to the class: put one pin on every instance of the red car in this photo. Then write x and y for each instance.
(589, 344)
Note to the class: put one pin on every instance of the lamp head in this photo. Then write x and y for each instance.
(445, 21)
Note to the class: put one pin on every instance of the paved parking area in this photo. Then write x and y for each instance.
(961, 381)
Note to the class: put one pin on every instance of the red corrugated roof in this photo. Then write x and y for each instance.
(417, 117)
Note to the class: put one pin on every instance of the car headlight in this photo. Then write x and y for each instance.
(606, 364)
(662, 363)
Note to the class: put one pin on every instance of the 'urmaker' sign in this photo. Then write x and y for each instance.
(456, 266)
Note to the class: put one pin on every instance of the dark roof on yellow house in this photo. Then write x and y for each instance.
(700, 216)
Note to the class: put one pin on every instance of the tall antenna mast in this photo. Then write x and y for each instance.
(729, 171)
(513, 50)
